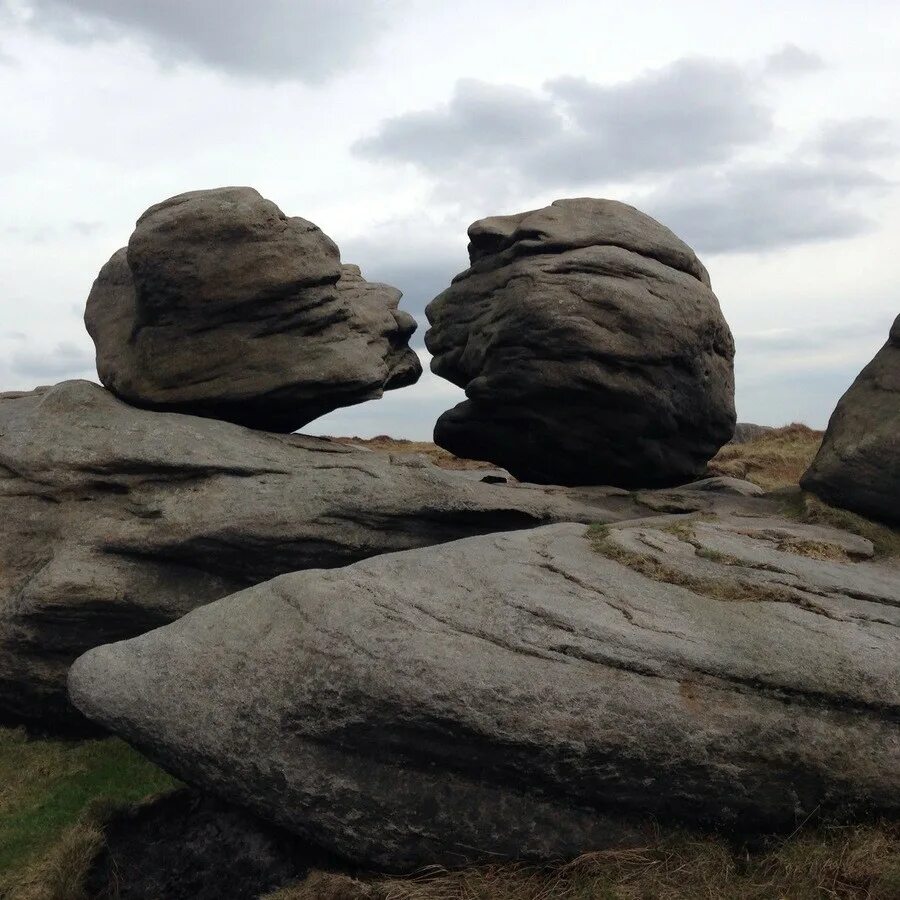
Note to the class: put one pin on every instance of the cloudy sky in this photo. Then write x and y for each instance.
(766, 134)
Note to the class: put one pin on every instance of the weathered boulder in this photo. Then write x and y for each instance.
(222, 306)
(590, 346)
(115, 520)
(745, 432)
(532, 694)
(858, 465)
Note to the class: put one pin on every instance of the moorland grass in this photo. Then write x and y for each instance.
(775, 459)
(805, 507)
(840, 863)
(54, 795)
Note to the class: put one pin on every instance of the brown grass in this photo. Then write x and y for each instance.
(61, 874)
(649, 566)
(55, 796)
(849, 863)
(437, 455)
(774, 460)
(807, 508)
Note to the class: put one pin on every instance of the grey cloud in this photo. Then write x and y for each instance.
(421, 277)
(65, 360)
(792, 60)
(479, 120)
(692, 112)
(863, 138)
(575, 131)
(761, 207)
(86, 229)
(685, 128)
(814, 337)
(308, 40)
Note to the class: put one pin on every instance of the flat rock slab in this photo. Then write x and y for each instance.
(532, 694)
(115, 520)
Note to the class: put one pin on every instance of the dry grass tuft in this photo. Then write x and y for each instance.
(54, 798)
(649, 566)
(773, 460)
(821, 550)
(807, 508)
(853, 863)
(62, 873)
(437, 455)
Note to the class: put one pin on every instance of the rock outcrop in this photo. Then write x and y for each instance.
(532, 694)
(222, 306)
(745, 432)
(115, 520)
(590, 346)
(858, 464)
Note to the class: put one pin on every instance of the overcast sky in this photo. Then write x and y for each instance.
(765, 134)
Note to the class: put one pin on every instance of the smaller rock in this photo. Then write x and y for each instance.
(744, 432)
(723, 484)
(858, 465)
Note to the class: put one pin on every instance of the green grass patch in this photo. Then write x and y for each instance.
(49, 787)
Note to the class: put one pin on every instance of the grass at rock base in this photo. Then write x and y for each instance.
(848, 863)
(54, 799)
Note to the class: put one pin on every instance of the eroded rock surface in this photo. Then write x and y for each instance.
(222, 306)
(590, 346)
(115, 520)
(533, 694)
(858, 464)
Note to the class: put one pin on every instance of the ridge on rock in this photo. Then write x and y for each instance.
(534, 694)
(222, 306)
(590, 346)
(858, 465)
(114, 520)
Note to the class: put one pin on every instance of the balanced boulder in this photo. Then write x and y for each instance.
(222, 306)
(858, 465)
(590, 346)
(532, 694)
(114, 520)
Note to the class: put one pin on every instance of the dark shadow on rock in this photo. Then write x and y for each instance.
(187, 846)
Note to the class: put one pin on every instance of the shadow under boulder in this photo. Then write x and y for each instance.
(187, 846)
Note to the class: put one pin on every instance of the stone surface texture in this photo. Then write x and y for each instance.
(114, 520)
(590, 346)
(222, 306)
(533, 694)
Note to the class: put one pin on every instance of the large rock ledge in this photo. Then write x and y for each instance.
(115, 520)
(532, 694)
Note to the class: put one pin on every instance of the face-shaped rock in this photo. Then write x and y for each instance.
(222, 306)
(590, 346)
